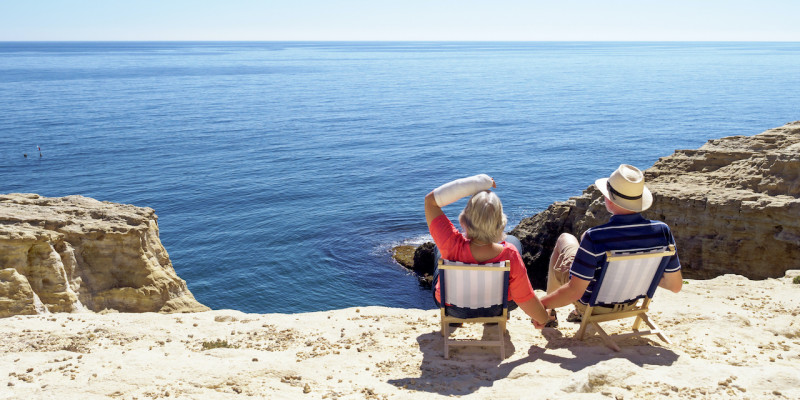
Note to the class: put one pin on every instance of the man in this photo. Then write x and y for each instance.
(574, 267)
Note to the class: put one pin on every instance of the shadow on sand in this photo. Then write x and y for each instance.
(471, 368)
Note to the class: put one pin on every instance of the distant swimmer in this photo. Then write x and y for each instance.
(25, 155)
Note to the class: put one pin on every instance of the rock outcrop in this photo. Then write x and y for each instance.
(733, 206)
(420, 259)
(75, 253)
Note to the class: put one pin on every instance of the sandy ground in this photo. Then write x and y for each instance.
(732, 338)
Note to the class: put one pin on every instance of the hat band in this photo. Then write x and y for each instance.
(616, 193)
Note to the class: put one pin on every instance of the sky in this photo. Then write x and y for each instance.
(368, 20)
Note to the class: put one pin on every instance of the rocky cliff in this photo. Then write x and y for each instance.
(733, 206)
(75, 253)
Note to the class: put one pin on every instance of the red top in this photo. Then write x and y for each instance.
(455, 247)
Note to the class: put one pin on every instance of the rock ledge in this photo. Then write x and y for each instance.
(75, 253)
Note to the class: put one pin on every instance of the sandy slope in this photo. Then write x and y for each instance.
(732, 338)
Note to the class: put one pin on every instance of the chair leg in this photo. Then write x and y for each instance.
(644, 306)
(637, 322)
(584, 323)
(502, 331)
(655, 329)
(446, 348)
(445, 337)
(607, 339)
(441, 317)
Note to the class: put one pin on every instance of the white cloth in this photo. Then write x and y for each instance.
(452, 191)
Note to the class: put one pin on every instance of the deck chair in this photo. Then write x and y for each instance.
(480, 289)
(627, 278)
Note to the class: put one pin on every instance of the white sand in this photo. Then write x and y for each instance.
(732, 338)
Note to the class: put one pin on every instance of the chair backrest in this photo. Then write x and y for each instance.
(630, 275)
(474, 285)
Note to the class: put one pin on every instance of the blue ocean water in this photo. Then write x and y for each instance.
(282, 173)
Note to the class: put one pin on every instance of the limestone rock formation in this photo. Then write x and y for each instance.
(75, 253)
(733, 206)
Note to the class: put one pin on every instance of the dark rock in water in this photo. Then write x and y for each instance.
(425, 259)
(404, 255)
(418, 259)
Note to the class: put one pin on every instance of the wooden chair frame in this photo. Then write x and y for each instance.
(638, 309)
(500, 320)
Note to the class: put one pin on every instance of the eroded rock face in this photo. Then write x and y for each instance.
(75, 253)
(733, 206)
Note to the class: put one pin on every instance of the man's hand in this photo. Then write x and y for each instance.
(552, 317)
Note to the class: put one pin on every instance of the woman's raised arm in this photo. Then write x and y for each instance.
(452, 191)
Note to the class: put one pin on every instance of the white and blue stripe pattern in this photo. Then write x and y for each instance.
(474, 288)
(630, 232)
(626, 280)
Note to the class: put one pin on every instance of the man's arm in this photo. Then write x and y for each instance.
(567, 294)
(672, 281)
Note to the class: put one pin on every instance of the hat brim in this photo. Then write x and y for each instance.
(637, 205)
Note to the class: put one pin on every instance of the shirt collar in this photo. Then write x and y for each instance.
(626, 218)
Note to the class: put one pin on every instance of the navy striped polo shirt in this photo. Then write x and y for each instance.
(622, 232)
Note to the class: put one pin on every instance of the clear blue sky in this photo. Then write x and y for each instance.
(735, 20)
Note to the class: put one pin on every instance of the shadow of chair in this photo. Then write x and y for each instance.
(457, 376)
(474, 370)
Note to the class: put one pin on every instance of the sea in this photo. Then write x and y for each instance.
(283, 173)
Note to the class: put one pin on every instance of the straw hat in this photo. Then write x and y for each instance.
(626, 189)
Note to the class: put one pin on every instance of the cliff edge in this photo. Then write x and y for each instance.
(75, 253)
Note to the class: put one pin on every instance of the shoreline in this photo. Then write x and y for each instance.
(732, 338)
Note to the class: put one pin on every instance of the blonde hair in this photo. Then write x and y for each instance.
(483, 218)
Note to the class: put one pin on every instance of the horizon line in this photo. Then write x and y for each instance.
(395, 41)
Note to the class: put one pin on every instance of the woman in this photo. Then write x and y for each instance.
(483, 241)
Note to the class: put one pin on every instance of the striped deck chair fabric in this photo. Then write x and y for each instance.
(474, 288)
(627, 277)
(481, 290)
